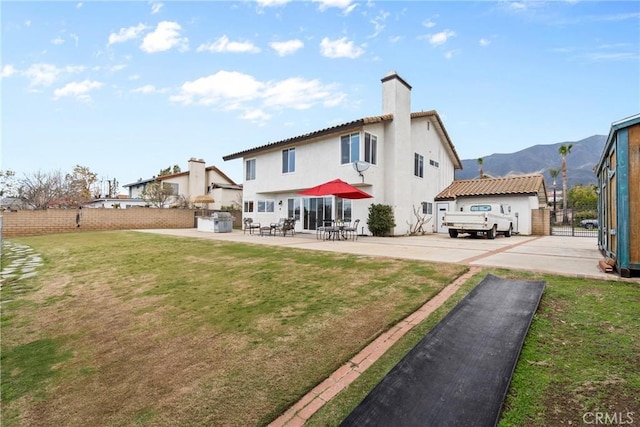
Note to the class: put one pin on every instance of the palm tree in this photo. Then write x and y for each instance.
(554, 172)
(564, 150)
(480, 163)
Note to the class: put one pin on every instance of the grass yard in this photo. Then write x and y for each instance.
(580, 360)
(126, 328)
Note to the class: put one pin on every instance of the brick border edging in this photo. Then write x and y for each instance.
(304, 409)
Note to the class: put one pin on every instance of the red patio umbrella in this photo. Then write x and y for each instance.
(337, 188)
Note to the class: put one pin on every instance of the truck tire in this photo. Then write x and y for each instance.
(509, 231)
(453, 233)
(491, 234)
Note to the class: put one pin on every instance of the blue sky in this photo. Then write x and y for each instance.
(129, 88)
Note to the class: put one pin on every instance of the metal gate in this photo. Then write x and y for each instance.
(579, 221)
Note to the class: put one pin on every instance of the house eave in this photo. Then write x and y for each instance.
(308, 137)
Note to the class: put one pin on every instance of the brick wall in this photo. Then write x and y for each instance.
(32, 223)
(541, 222)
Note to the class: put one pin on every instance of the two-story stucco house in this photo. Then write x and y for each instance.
(410, 157)
(199, 180)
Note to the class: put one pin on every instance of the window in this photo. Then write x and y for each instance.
(434, 163)
(480, 208)
(370, 148)
(174, 188)
(248, 206)
(427, 208)
(289, 160)
(343, 209)
(250, 172)
(349, 148)
(266, 205)
(418, 165)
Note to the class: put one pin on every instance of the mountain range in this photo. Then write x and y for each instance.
(539, 159)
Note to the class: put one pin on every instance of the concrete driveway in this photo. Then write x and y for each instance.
(572, 256)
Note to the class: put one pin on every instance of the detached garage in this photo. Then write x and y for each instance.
(618, 174)
(526, 194)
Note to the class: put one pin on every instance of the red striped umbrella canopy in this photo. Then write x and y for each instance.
(337, 188)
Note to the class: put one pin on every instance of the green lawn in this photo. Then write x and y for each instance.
(125, 328)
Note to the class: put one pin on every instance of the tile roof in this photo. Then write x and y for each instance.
(355, 124)
(519, 184)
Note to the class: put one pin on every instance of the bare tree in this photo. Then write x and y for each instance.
(157, 193)
(39, 190)
(421, 220)
(79, 183)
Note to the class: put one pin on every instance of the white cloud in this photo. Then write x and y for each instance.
(451, 53)
(78, 90)
(125, 34)
(296, 93)
(117, 68)
(7, 71)
(155, 7)
(428, 24)
(271, 3)
(147, 89)
(484, 42)
(378, 23)
(79, 5)
(224, 45)
(346, 5)
(58, 40)
(222, 86)
(340, 48)
(134, 77)
(517, 5)
(256, 115)
(75, 38)
(47, 74)
(164, 37)
(286, 48)
(441, 38)
(395, 39)
(237, 91)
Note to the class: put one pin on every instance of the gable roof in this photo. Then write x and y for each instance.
(207, 169)
(615, 127)
(355, 124)
(512, 185)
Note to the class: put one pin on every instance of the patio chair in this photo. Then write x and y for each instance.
(352, 230)
(289, 227)
(276, 227)
(323, 227)
(249, 225)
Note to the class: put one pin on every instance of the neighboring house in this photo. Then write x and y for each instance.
(136, 189)
(120, 202)
(523, 193)
(410, 159)
(199, 180)
(618, 173)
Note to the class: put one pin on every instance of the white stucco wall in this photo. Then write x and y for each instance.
(522, 205)
(391, 181)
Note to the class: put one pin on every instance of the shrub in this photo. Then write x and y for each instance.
(380, 220)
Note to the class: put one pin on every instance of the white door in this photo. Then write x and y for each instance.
(441, 209)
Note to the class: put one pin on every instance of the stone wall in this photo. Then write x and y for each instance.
(540, 222)
(52, 221)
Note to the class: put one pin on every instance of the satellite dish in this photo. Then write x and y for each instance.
(360, 166)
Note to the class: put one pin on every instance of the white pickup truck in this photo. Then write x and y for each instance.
(486, 218)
